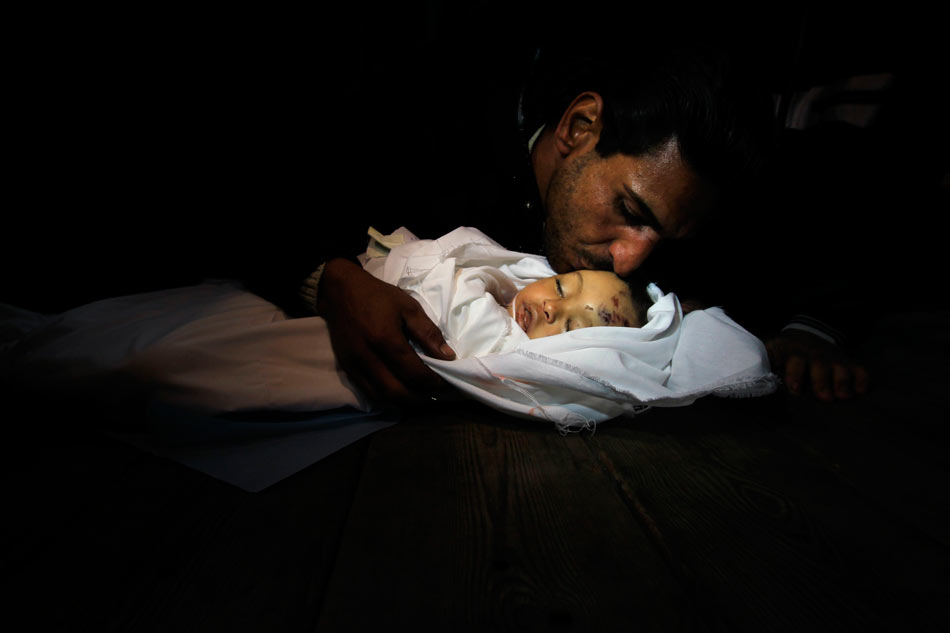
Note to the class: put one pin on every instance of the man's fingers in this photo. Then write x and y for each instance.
(417, 380)
(373, 346)
(794, 373)
(376, 379)
(829, 371)
(350, 361)
(364, 385)
(427, 334)
(843, 381)
(360, 360)
(820, 372)
(861, 379)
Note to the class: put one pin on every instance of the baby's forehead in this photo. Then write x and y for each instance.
(600, 274)
(603, 282)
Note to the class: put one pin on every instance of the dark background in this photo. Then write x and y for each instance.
(151, 148)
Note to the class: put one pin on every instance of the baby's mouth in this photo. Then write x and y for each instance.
(524, 317)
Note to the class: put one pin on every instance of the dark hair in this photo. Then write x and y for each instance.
(721, 118)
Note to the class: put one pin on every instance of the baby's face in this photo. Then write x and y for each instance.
(572, 301)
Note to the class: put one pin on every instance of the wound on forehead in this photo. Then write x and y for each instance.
(613, 317)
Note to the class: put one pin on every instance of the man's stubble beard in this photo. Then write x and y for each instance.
(560, 219)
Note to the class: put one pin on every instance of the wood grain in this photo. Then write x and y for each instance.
(768, 537)
(477, 523)
(137, 543)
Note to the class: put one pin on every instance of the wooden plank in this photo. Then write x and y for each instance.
(878, 454)
(468, 520)
(266, 567)
(149, 545)
(51, 473)
(891, 444)
(772, 539)
(97, 536)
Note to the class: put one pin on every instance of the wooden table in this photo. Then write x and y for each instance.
(773, 514)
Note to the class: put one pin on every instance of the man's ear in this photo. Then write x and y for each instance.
(581, 123)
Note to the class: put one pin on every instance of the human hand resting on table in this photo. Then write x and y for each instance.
(370, 324)
(800, 357)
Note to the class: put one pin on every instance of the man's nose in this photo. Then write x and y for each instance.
(627, 255)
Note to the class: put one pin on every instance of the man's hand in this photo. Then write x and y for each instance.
(807, 359)
(371, 323)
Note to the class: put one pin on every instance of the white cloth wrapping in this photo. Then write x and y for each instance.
(579, 378)
(216, 348)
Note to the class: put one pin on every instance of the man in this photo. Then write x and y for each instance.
(618, 171)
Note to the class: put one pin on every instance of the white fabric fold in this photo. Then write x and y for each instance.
(579, 378)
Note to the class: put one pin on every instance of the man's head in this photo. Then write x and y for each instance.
(642, 156)
(579, 299)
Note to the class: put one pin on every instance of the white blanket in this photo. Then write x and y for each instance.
(579, 378)
(213, 348)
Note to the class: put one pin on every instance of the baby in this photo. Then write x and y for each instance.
(579, 299)
(487, 300)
